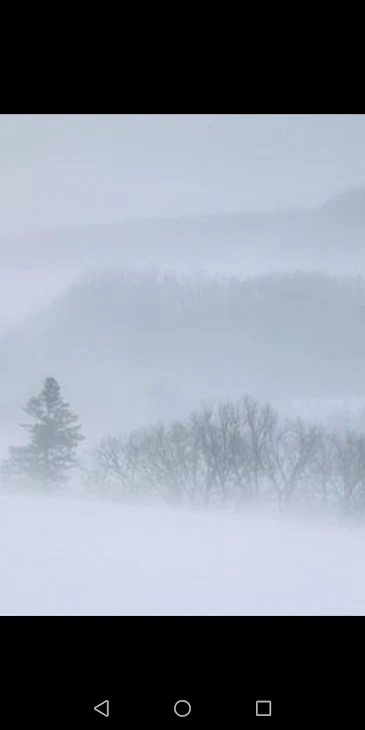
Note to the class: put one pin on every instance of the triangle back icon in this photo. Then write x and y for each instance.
(103, 708)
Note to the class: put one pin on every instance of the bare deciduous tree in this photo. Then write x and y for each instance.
(348, 473)
(293, 445)
(236, 452)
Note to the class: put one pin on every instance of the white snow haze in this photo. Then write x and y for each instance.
(182, 364)
(90, 558)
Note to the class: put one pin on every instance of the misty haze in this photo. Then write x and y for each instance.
(182, 364)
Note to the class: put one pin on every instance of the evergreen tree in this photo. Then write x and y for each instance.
(54, 437)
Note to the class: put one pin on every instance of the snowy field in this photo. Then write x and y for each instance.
(73, 556)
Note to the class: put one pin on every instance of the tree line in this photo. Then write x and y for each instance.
(229, 453)
(238, 453)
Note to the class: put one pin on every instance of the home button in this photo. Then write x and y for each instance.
(182, 708)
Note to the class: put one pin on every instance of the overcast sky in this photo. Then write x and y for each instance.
(60, 169)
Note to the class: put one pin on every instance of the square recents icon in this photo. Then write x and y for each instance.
(263, 708)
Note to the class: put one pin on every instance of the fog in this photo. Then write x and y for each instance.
(189, 281)
(94, 558)
(59, 169)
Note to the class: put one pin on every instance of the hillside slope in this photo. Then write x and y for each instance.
(257, 242)
(131, 347)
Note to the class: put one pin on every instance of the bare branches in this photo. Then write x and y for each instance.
(292, 447)
(232, 453)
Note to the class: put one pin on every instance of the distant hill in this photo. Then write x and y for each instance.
(348, 206)
(257, 242)
(132, 347)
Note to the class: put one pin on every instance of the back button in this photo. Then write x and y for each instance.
(103, 708)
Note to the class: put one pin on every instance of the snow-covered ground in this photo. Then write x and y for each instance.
(63, 556)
